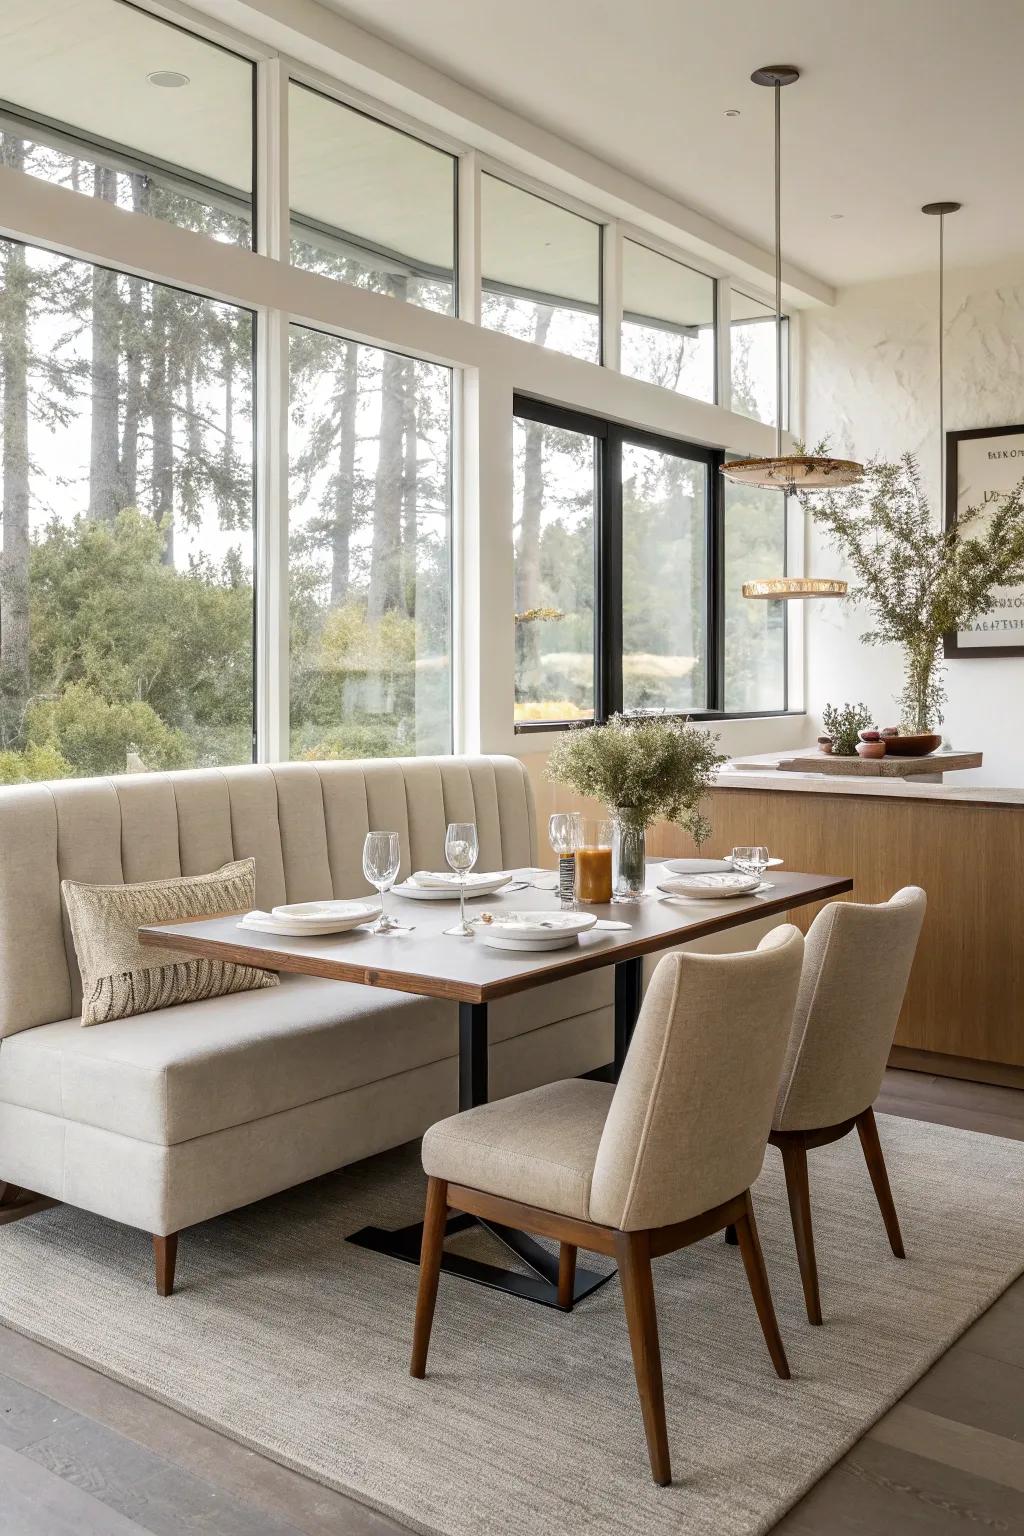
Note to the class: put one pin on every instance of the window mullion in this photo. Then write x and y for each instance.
(272, 669)
(609, 580)
(468, 230)
(715, 617)
(611, 297)
(723, 342)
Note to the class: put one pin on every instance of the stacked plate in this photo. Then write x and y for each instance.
(310, 918)
(708, 866)
(711, 887)
(425, 885)
(532, 931)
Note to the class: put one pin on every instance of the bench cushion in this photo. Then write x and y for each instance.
(199, 1067)
(195, 1068)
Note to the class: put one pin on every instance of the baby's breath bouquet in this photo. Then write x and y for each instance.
(644, 770)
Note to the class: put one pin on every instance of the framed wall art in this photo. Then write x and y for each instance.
(982, 465)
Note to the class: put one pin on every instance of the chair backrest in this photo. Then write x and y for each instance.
(305, 823)
(856, 967)
(690, 1117)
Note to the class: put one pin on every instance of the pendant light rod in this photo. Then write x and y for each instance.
(776, 76)
(778, 269)
(786, 472)
(940, 210)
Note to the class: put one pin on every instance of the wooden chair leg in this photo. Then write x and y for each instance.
(633, 1254)
(566, 1275)
(434, 1222)
(165, 1255)
(867, 1130)
(757, 1279)
(794, 1161)
(730, 1235)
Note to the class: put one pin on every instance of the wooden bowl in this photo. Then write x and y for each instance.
(916, 745)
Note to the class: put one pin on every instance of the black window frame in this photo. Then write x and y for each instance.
(609, 439)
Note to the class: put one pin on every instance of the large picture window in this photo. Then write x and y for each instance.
(100, 97)
(369, 550)
(555, 529)
(126, 598)
(629, 557)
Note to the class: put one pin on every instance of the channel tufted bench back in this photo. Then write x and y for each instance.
(303, 822)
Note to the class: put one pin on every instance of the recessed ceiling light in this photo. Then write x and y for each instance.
(171, 79)
(836, 215)
(732, 111)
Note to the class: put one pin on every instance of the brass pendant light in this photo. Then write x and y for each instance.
(788, 472)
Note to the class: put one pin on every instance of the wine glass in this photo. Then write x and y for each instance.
(461, 849)
(565, 834)
(751, 861)
(381, 859)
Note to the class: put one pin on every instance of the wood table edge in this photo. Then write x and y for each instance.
(453, 991)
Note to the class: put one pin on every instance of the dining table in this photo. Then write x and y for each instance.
(421, 958)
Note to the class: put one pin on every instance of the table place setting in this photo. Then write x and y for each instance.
(741, 873)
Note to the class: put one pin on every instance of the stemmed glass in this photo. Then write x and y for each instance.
(752, 860)
(565, 834)
(461, 849)
(381, 859)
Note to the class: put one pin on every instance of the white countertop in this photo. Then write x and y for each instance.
(762, 774)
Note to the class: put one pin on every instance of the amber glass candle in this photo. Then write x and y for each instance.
(594, 863)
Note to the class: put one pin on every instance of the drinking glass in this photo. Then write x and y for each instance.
(565, 834)
(751, 861)
(594, 863)
(461, 849)
(381, 858)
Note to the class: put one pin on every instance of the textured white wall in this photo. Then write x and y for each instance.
(869, 370)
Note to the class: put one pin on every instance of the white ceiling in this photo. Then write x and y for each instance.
(901, 102)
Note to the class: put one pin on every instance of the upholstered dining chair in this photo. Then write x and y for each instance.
(638, 1170)
(856, 968)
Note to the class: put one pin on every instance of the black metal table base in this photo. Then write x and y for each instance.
(540, 1285)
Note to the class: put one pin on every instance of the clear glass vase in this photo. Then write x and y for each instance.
(629, 859)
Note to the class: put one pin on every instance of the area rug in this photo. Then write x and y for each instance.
(296, 1343)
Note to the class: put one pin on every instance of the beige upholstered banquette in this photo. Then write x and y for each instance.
(166, 1119)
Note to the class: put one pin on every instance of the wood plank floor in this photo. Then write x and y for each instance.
(83, 1456)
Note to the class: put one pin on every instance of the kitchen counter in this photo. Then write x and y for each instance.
(964, 1009)
(761, 773)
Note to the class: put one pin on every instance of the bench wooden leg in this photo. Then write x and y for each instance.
(16, 1203)
(165, 1254)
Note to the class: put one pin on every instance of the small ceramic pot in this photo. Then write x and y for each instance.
(825, 745)
(871, 749)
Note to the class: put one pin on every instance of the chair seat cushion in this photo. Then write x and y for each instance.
(538, 1147)
(185, 1071)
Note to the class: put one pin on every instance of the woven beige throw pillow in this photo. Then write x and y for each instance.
(120, 977)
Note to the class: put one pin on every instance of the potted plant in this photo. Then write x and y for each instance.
(920, 581)
(843, 725)
(644, 770)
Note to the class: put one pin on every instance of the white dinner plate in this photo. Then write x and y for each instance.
(538, 925)
(523, 943)
(716, 887)
(312, 917)
(484, 885)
